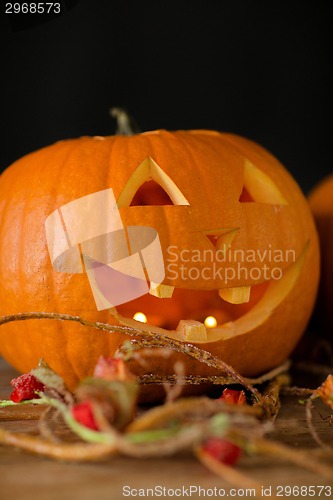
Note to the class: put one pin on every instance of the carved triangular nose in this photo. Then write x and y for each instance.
(146, 171)
(221, 238)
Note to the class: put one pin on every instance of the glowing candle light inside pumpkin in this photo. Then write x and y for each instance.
(210, 322)
(139, 316)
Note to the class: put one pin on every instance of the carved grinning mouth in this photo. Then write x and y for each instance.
(203, 306)
(231, 319)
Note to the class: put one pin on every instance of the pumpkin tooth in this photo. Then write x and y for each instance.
(192, 330)
(236, 295)
(161, 291)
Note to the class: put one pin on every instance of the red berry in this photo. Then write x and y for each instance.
(25, 387)
(233, 397)
(83, 413)
(112, 369)
(222, 450)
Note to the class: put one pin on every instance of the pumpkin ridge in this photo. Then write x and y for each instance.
(195, 162)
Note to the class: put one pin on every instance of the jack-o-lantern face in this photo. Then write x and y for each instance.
(238, 242)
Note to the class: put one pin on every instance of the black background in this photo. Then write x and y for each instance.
(262, 69)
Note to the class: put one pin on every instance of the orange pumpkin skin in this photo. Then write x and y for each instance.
(321, 203)
(208, 169)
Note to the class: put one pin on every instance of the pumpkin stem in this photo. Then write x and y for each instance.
(126, 125)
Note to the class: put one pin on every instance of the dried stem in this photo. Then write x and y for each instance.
(229, 474)
(151, 378)
(184, 439)
(174, 391)
(308, 413)
(69, 452)
(302, 458)
(272, 394)
(200, 407)
(126, 124)
(45, 424)
(296, 391)
(155, 340)
(313, 368)
(189, 414)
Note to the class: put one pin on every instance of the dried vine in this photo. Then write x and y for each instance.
(178, 424)
(154, 339)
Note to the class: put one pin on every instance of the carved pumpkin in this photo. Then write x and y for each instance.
(321, 203)
(217, 201)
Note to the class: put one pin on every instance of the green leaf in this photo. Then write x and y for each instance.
(49, 378)
(219, 424)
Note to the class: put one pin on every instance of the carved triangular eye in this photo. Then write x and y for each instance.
(149, 170)
(151, 193)
(259, 187)
(245, 196)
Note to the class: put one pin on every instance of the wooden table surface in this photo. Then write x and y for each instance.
(25, 476)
